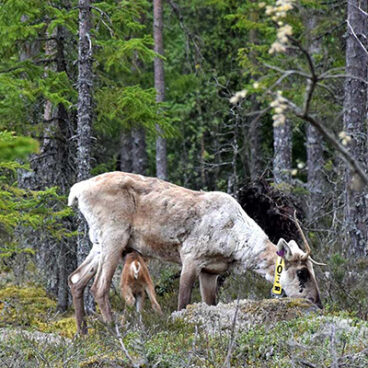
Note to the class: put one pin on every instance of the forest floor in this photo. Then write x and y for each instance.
(264, 333)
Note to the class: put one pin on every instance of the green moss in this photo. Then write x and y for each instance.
(65, 327)
(31, 307)
(24, 306)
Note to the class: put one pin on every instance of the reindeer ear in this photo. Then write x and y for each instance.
(283, 250)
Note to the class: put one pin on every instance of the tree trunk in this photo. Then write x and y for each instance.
(51, 167)
(126, 147)
(161, 157)
(315, 161)
(282, 144)
(139, 152)
(316, 182)
(355, 125)
(84, 127)
(253, 137)
(255, 146)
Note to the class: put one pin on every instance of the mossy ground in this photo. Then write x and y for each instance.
(30, 307)
(307, 340)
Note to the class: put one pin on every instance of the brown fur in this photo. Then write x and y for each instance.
(133, 285)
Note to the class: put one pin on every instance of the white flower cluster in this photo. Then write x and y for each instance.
(238, 96)
(280, 9)
(345, 138)
(279, 106)
(300, 165)
(278, 12)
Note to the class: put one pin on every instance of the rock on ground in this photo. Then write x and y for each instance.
(244, 314)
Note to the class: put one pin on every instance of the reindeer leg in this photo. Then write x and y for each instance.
(101, 286)
(114, 243)
(139, 302)
(150, 290)
(128, 296)
(208, 287)
(189, 273)
(77, 282)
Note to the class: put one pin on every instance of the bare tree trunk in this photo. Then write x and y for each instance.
(282, 144)
(255, 147)
(253, 136)
(316, 183)
(355, 125)
(139, 152)
(315, 161)
(84, 127)
(126, 147)
(161, 157)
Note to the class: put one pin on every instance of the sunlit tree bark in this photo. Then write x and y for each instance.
(355, 126)
(84, 126)
(161, 157)
(282, 143)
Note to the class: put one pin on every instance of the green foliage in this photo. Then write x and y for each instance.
(132, 106)
(12, 147)
(24, 306)
(19, 207)
(120, 55)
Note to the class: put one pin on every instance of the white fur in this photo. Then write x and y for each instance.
(228, 231)
(74, 279)
(136, 266)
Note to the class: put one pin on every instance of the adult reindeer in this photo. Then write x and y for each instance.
(206, 232)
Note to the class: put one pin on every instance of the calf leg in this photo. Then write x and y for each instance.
(150, 290)
(77, 282)
(208, 287)
(139, 301)
(128, 296)
(189, 273)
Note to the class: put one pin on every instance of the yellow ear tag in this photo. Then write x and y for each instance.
(280, 264)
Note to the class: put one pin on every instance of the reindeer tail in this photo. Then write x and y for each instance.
(136, 267)
(74, 194)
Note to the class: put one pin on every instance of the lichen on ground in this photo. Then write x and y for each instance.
(248, 313)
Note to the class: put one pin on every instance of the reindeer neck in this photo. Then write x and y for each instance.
(254, 251)
(266, 262)
(259, 256)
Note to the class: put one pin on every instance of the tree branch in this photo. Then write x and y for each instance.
(304, 113)
(355, 166)
(356, 37)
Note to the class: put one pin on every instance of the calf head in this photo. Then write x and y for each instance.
(297, 278)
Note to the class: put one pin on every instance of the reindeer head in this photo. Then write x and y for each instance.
(298, 279)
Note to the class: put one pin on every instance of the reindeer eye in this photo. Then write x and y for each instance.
(303, 275)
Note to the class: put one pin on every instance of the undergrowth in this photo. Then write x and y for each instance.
(33, 334)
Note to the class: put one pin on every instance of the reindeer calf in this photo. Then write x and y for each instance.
(135, 280)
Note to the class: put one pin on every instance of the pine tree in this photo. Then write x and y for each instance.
(84, 126)
(161, 155)
(355, 126)
(282, 138)
(314, 141)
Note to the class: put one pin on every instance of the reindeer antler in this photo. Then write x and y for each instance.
(307, 247)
